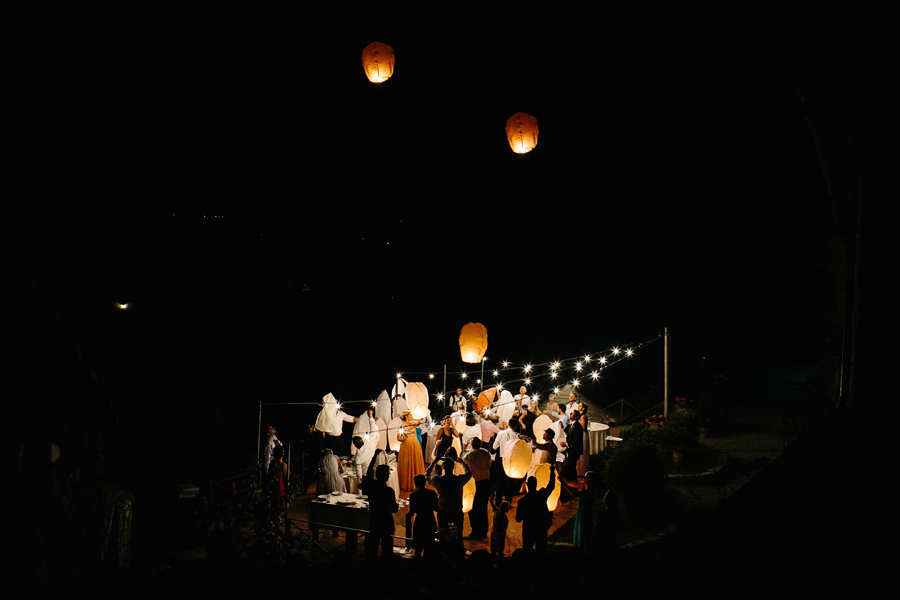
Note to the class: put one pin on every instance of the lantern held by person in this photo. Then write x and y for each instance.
(516, 459)
(468, 498)
(473, 342)
(417, 399)
(378, 62)
(542, 474)
(393, 429)
(522, 133)
(540, 425)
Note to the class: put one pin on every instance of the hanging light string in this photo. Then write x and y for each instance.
(586, 367)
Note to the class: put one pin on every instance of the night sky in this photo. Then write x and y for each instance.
(286, 229)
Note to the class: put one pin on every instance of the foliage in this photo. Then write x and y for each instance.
(680, 432)
(249, 520)
(636, 471)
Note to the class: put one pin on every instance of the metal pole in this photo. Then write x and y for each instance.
(259, 431)
(666, 373)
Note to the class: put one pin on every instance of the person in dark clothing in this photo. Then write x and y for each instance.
(382, 503)
(450, 492)
(574, 448)
(534, 515)
(423, 503)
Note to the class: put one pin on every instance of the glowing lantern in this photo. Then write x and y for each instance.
(378, 62)
(517, 459)
(473, 342)
(522, 133)
(393, 429)
(468, 494)
(540, 425)
(458, 446)
(417, 399)
(506, 406)
(485, 398)
(542, 474)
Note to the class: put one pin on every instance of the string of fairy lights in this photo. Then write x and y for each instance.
(576, 372)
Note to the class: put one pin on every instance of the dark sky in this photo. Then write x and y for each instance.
(274, 214)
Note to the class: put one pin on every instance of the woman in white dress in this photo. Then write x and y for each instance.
(330, 470)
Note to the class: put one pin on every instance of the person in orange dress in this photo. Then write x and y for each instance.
(410, 461)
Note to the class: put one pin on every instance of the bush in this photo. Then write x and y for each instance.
(636, 471)
(680, 432)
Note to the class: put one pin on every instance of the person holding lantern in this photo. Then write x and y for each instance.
(410, 461)
(534, 515)
(479, 462)
(449, 487)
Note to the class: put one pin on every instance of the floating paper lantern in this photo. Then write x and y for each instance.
(473, 342)
(417, 399)
(540, 425)
(378, 62)
(516, 459)
(522, 133)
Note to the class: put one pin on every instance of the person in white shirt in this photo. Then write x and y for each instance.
(561, 417)
(506, 434)
(365, 450)
(523, 400)
(473, 430)
(572, 406)
(331, 418)
(454, 400)
(271, 442)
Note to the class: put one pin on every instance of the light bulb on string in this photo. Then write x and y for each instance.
(528, 368)
(578, 366)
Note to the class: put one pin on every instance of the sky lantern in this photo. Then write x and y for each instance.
(522, 133)
(393, 429)
(540, 425)
(473, 342)
(485, 399)
(417, 399)
(378, 62)
(468, 499)
(542, 474)
(517, 459)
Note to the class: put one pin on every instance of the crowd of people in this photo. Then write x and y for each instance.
(457, 461)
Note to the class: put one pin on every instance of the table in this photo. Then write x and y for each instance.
(344, 512)
(597, 436)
